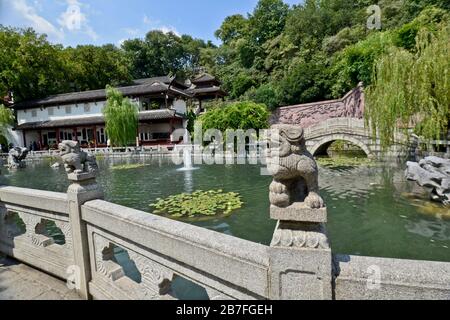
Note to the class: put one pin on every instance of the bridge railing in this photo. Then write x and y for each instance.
(162, 250)
(35, 228)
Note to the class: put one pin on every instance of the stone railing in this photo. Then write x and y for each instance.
(298, 264)
(28, 241)
(309, 114)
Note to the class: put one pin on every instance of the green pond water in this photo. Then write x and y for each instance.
(372, 210)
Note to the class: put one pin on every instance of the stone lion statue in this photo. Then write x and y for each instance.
(294, 170)
(76, 160)
(16, 156)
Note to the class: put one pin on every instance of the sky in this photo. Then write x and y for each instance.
(74, 22)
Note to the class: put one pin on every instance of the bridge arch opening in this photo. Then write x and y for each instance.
(340, 146)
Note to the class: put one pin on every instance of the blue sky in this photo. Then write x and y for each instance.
(73, 22)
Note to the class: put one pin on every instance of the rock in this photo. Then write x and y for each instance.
(56, 165)
(434, 173)
(16, 157)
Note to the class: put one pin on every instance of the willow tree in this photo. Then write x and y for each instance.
(121, 118)
(412, 89)
(6, 119)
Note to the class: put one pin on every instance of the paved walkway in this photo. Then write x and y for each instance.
(21, 282)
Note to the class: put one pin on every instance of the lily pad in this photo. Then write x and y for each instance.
(198, 204)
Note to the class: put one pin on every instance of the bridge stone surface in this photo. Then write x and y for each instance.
(21, 282)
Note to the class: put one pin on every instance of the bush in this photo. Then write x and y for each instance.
(240, 115)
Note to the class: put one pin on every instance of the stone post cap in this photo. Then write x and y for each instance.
(82, 176)
(299, 212)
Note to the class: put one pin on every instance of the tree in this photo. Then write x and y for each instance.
(412, 88)
(29, 65)
(266, 94)
(240, 115)
(268, 20)
(232, 28)
(121, 118)
(162, 53)
(92, 67)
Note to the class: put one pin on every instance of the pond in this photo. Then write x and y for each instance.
(372, 210)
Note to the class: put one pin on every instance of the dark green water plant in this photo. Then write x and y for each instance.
(198, 204)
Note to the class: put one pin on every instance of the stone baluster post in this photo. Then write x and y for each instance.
(300, 254)
(81, 170)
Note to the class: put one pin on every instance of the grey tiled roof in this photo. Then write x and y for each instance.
(94, 120)
(93, 95)
(205, 77)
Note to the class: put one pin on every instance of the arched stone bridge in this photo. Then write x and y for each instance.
(341, 119)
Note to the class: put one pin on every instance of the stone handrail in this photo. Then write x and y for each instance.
(227, 267)
(370, 278)
(31, 243)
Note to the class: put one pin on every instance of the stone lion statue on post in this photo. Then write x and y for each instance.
(76, 160)
(294, 170)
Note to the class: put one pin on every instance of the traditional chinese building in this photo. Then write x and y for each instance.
(162, 103)
(206, 87)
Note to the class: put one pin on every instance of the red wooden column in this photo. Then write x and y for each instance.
(40, 139)
(94, 134)
(24, 139)
(58, 140)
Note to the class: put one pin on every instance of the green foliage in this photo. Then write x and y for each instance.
(305, 81)
(162, 53)
(412, 88)
(275, 55)
(92, 67)
(232, 28)
(121, 118)
(355, 63)
(240, 115)
(33, 68)
(29, 64)
(6, 117)
(265, 94)
(199, 203)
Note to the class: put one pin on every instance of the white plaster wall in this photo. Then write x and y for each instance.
(31, 136)
(180, 106)
(78, 110)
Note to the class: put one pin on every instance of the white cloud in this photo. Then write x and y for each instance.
(147, 20)
(38, 23)
(156, 25)
(121, 41)
(167, 29)
(131, 31)
(74, 20)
